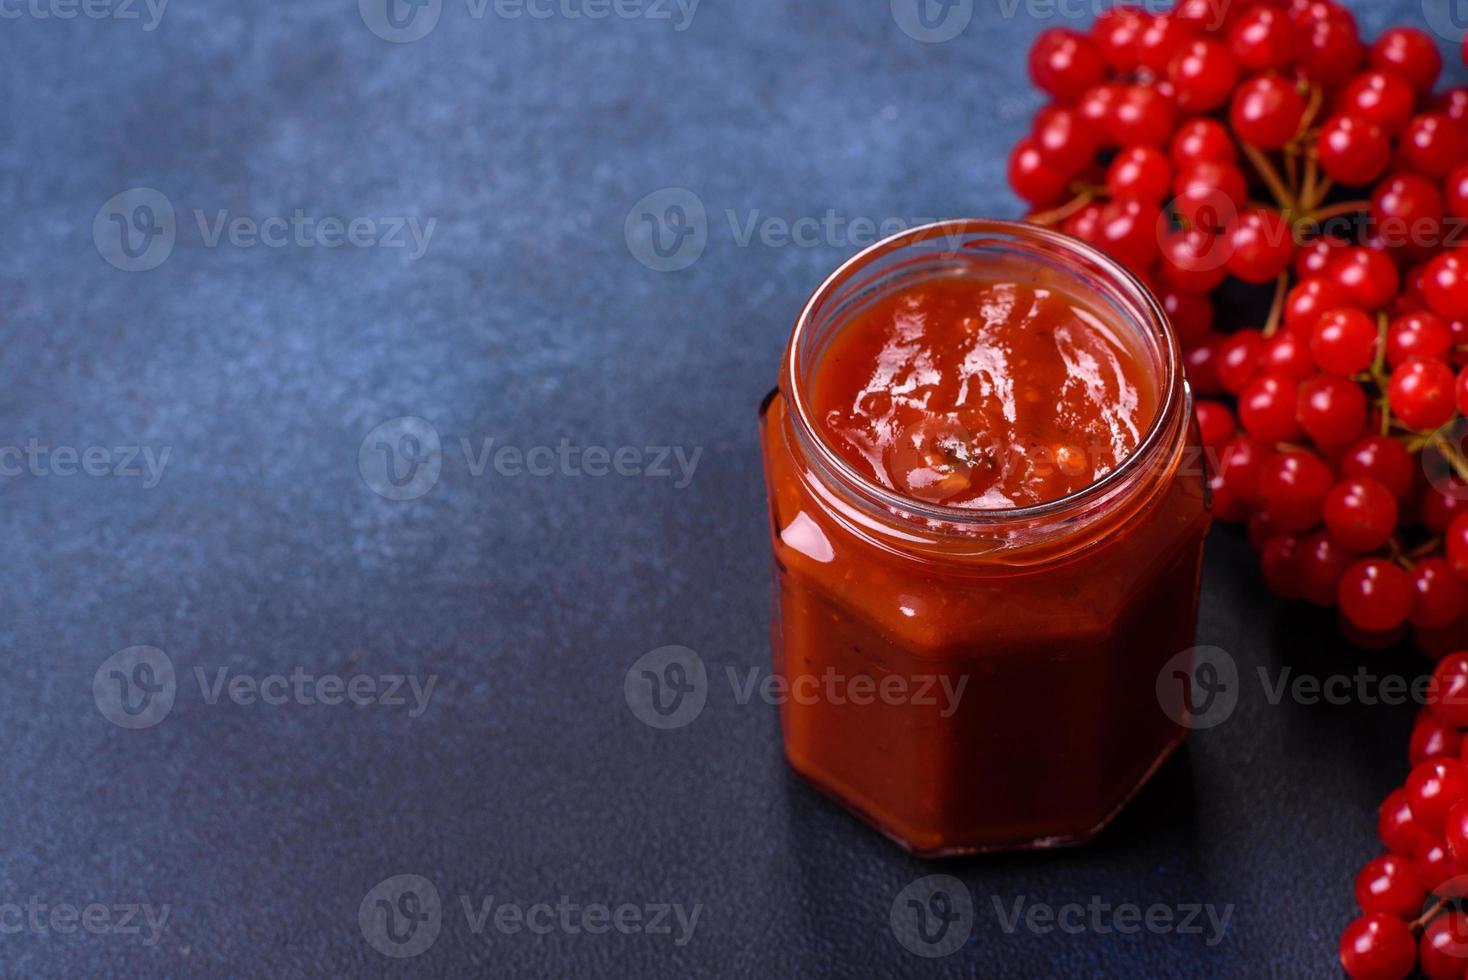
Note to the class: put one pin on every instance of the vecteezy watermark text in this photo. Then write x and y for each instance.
(1100, 917)
(830, 686)
(137, 230)
(403, 458)
(405, 21)
(149, 12)
(137, 688)
(123, 462)
(829, 230)
(572, 918)
(306, 231)
(669, 230)
(305, 688)
(936, 21)
(668, 688)
(1200, 687)
(402, 916)
(677, 463)
(94, 918)
(936, 916)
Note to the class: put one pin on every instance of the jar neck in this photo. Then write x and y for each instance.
(1014, 251)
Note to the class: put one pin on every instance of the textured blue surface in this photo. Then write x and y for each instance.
(528, 320)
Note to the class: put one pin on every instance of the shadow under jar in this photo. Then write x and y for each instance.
(974, 624)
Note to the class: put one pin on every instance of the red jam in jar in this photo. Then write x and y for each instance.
(987, 510)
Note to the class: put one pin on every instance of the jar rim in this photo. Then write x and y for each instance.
(1172, 386)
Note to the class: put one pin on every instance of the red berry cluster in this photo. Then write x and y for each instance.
(1264, 142)
(1411, 911)
(1209, 144)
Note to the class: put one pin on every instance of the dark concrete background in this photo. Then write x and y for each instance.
(529, 319)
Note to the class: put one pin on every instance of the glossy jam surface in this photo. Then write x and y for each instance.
(983, 394)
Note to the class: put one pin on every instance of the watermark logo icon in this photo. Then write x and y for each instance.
(402, 458)
(400, 21)
(135, 231)
(1447, 18)
(401, 916)
(933, 916)
(1199, 687)
(668, 230)
(932, 21)
(1443, 455)
(667, 688)
(135, 688)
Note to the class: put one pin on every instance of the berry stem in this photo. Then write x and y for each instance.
(1378, 363)
(1344, 208)
(1425, 549)
(1056, 215)
(1270, 176)
(1312, 109)
(1308, 198)
(1276, 308)
(1395, 553)
(1418, 923)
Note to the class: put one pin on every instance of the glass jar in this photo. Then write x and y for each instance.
(973, 680)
